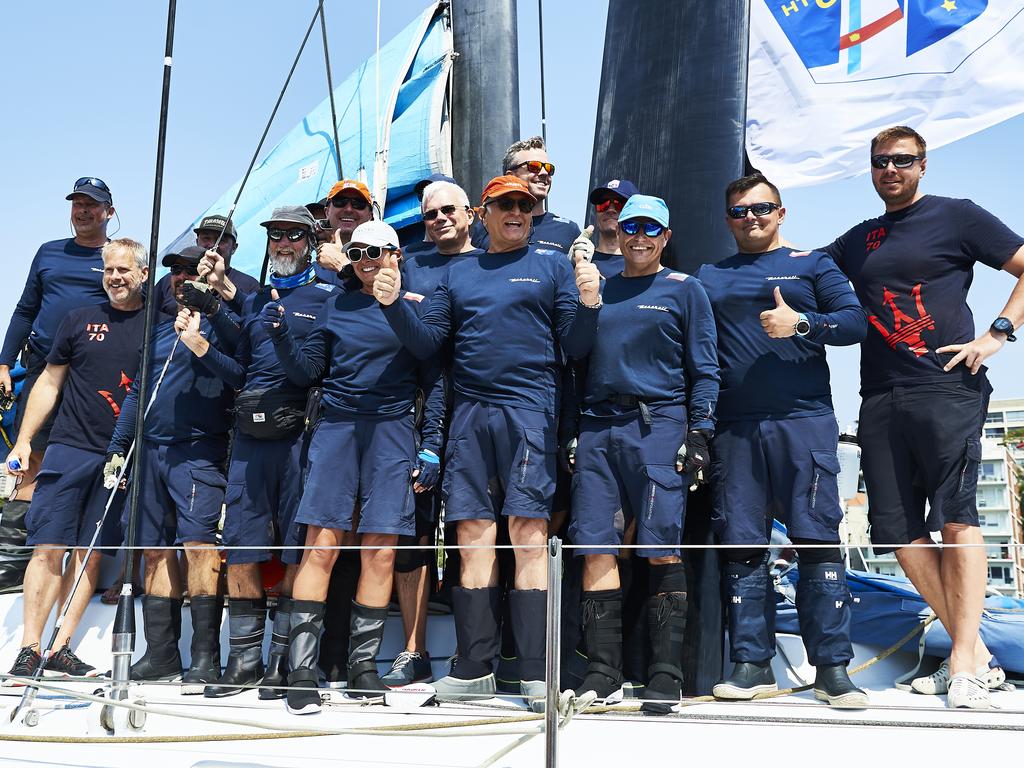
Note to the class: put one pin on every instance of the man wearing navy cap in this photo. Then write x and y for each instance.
(229, 283)
(65, 274)
(608, 201)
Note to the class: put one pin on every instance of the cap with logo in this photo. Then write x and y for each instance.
(500, 186)
(92, 187)
(645, 207)
(216, 223)
(193, 254)
(623, 188)
(376, 233)
(351, 185)
(291, 214)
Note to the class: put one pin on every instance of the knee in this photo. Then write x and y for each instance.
(320, 559)
(157, 558)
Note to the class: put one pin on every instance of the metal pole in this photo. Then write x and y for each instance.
(123, 643)
(330, 92)
(553, 651)
(543, 103)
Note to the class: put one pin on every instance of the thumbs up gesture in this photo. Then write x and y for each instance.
(332, 255)
(780, 321)
(582, 247)
(273, 317)
(588, 281)
(388, 282)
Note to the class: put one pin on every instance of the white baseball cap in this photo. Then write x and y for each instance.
(374, 233)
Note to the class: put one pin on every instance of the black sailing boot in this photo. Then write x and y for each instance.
(365, 635)
(204, 667)
(601, 614)
(528, 609)
(666, 621)
(161, 624)
(247, 619)
(14, 555)
(477, 637)
(276, 675)
(307, 621)
(341, 591)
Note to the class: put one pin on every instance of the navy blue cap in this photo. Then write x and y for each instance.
(624, 188)
(420, 186)
(193, 254)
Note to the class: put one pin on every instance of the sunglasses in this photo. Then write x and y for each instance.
(372, 252)
(535, 166)
(188, 269)
(294, 234)
(87, 181)
(506, 205)
(355, 203)
(610, 203)
(758, 209)
(650, 228)
(447, 210)
(881, 162)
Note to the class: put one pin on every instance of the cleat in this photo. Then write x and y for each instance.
(64, 663)
(833, 684)
(746, 681)
(409, 667)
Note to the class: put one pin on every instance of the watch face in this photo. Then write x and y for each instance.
(803, 327)
(1002, 325)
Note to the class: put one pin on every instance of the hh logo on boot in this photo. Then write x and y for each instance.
(832, 575)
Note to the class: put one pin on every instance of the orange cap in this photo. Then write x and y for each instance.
(352, 184)
(500, 186)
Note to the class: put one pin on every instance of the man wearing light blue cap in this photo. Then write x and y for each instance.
(649, 392)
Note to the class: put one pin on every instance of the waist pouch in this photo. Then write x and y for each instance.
(314, 408)
(270, 414)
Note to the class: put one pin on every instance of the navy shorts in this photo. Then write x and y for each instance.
(784, 469)
(264, 489)
(922, 444)
(366, 460)
(625, 471)
(499, 460)
(69, 500)
(182, 492)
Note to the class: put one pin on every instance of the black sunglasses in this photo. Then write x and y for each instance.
(93, 182)
(188, 269)
(881, 162)
(506, 205)
(758, 209)
(356, 203)
(372, 252)
(447, 210)
(535, 166)
(651, 228)
(294, 234)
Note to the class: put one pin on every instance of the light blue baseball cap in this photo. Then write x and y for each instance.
(645, 207)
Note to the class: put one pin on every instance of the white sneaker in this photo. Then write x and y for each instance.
(967, 692)
(937, 683)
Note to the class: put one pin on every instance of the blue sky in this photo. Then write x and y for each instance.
(82, 94)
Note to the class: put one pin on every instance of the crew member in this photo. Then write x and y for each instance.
(775, 448)
(363, 451)
(92, 362)
(608, 201)
(925, 394)
(649, 392)
(267, 456)
(180, 466)
(507, 311)
(349, 204)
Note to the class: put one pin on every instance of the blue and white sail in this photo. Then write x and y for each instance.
(393, 128)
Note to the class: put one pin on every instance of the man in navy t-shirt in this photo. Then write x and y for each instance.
(924, 390)
(92, 362)
(775, 446)
(608, 201)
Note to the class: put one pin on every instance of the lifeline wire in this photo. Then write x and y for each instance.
(330, 92)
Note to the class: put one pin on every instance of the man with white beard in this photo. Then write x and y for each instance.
(265, 476)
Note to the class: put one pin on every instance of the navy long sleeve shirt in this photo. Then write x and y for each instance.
(507, 313)
(547, 231)
(766, 378)
(64, 276)
(656, 340)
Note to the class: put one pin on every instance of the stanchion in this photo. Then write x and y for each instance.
(553, 650)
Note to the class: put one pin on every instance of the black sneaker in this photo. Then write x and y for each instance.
(24, 666)
(64, 663)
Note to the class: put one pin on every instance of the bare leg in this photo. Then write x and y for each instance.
(203, 572)
(41, 590)
(82, 595)
(413, 589)
(163, 577)
(600, 572)
(531, 563)
(479, 565)
(963, 580)
(244, 581)
(378, 568)
(314, 572)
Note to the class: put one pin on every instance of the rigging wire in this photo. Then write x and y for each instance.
(330, 92)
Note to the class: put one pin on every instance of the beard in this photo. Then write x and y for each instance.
(286, 266)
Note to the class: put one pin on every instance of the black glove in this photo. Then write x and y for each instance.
(694, 455)
(199, 297)
(274, 319)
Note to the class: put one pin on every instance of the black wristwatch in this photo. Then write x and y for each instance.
(1003, 325)
(802, 326)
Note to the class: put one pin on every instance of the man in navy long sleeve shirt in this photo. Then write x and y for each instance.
(507, 311)
(775, 446)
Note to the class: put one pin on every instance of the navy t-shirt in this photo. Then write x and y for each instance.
(912, 270)
(101, 347)
(548, 231)
(762, 377)
(64, 275)
(609, 264)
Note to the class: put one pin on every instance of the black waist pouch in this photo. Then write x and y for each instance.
(270, 414)
(314, 408)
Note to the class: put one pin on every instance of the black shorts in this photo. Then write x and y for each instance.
(922, 444)
(34, 364)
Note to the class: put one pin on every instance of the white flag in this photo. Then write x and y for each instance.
(826, 75)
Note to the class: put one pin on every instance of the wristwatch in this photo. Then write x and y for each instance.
(1003, 325)
(803, 325)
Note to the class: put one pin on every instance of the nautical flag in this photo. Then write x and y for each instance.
(826, 75)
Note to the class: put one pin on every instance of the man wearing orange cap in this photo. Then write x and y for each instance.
(508, 313)
(349, 204)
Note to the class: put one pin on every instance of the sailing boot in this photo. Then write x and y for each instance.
(14, 555)
(750, 612)
(204, 667)
(365, 635)
(528, 608)
(307, 621)
(247, 619)
(666, 621)
(276, 676)
(601, 614)
(476, 631)
(161, 624)
(341, 591)
(823, 608)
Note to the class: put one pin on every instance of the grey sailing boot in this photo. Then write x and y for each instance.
(247, 619)
(307, 622)
(365, 635)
